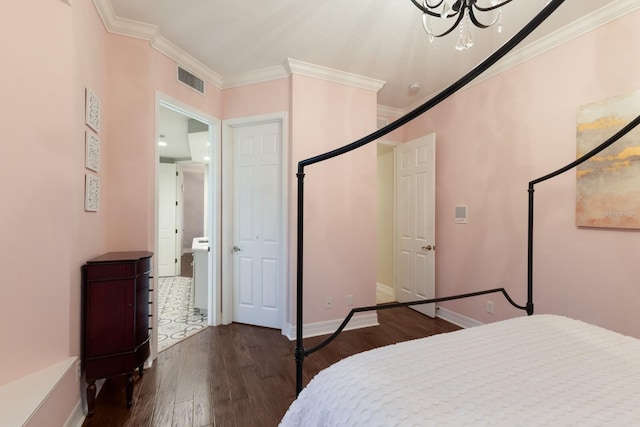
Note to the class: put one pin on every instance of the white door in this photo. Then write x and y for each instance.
(167, 220)
(415, 222)
(179, 219)
(257, 234)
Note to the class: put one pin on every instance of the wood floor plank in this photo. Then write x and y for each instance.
(239, 375)
(182, 414)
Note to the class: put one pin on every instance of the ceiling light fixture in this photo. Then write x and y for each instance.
(463, 12)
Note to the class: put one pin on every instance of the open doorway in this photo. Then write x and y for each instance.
(186, 221)
(385, 224)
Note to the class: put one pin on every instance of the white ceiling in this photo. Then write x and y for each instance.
(380, 39)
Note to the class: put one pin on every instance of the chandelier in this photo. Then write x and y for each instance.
(463, 13)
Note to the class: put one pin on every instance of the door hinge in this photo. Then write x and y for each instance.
(176, 261)
(176, 203)
(176, 231)
(177, 173)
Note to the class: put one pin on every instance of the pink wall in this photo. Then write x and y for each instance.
(47, 235)
(256, 99)
(519, 126)
(40, 183)
(340, 196)
(316, 126)
(135, 73)
(398, 134)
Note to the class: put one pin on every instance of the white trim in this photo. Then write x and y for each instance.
(22, 398)
(127, 27)
(330, 326)
(455, 318)
(386, 290)
(214, 207)
(252, 77)
(396, 113)
(577, 28)
(141, 30)
(227, 211)
(76, 417)
(329, 74)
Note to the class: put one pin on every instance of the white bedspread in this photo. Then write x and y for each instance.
(537, 370)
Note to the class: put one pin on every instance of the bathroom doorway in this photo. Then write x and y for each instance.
(186, 222)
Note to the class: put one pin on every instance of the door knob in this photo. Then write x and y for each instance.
(236, 249)
(428, 248)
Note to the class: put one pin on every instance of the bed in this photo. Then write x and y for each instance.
(532, 370)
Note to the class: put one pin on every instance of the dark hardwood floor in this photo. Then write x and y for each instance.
(240, 375)
(186, 268)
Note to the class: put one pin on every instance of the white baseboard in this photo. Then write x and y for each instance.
(77, 417)
(330, 326)
(455, 318)
(384, 289)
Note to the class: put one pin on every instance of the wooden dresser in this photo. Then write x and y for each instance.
(115, 318)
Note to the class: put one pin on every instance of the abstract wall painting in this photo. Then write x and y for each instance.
(608, 184)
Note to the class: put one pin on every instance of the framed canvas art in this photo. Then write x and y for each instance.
(608, 184)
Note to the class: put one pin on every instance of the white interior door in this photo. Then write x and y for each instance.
(415, 222)
(179, 219)
(257, 231)
(167, 220)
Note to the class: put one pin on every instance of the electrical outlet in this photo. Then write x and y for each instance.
(490, 307)
(349, 300)
(329, 303)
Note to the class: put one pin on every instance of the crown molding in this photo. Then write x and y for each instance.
(582, 26)
(144, 31)
(329, 74)
(393, 112)
(140, 30)
(259, 76)
(186, 61)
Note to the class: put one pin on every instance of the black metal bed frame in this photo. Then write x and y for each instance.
(300, 351)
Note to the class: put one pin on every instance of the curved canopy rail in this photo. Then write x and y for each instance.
(300, 352)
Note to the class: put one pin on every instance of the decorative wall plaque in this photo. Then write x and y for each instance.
(91, 193)
(92, 110)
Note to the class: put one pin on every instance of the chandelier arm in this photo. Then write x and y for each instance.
(453, 27)
(432, 6)
(490, 8)
(479, 24)
(426, 10)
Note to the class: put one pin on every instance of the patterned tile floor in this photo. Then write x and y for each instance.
(177, 318)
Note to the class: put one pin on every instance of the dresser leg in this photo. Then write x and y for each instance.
(91, 397)
(129, 391)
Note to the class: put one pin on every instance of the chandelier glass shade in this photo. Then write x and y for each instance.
(463, 13)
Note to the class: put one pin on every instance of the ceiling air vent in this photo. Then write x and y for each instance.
(190, 80)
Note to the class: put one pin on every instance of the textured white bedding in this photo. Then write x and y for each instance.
(537, 370)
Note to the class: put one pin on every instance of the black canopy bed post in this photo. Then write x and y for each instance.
(300, 352)
(622, 132)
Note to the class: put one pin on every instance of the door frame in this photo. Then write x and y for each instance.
(213, 206)
(227, 211)
(395, 145)
(422, 308)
